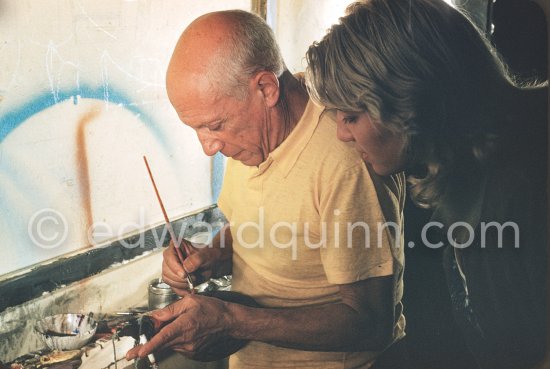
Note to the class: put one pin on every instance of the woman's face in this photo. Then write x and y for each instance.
(379, 147)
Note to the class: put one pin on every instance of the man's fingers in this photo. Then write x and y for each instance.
(182, 291)
(171, 264)
(133, 353)
(171, 311)
(195, 261)
(172, 275)
(186, 247)
(162, 339)
(175, 284)
(141, 351)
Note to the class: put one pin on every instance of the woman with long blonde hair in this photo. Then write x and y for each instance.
(417, 87)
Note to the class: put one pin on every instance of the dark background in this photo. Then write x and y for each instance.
(433, 340)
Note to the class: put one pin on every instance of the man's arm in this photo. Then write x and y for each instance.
(363, 321)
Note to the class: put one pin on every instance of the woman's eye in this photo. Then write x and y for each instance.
(349, 119)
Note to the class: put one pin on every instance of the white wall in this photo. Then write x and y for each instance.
(82, 98)
(297, 23)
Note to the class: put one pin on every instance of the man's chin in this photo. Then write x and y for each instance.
(248, 159)
(251, 162)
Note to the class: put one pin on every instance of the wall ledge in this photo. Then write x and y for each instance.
(18, 288)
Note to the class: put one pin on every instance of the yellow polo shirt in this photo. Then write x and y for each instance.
(310, 217)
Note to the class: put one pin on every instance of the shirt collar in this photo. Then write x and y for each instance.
(287, 153)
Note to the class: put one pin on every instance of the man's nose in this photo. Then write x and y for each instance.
(210, 145)
(343, 133)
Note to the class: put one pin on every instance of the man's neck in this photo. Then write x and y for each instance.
(292, 104)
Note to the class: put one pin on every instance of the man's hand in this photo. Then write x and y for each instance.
(204, 261)
(201, 262)
(196, 322)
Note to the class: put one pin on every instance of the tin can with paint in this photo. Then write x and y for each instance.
(160, 294)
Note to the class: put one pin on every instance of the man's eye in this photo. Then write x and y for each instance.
(215, 127)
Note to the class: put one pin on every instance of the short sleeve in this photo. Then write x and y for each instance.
(358, 236)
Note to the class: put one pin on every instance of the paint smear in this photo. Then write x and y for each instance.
(82, 165)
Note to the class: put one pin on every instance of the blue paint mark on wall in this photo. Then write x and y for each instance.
(12, 119)
(217, 175)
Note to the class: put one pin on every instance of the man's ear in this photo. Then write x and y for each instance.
(267, 84)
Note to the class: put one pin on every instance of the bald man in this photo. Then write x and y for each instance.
(330, 298)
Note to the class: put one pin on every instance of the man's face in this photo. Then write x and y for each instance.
(234, 127)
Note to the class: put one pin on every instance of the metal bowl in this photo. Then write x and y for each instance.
(66, 331)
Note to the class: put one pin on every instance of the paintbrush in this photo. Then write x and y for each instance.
(171, 230)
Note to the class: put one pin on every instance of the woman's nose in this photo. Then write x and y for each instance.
(343, 133)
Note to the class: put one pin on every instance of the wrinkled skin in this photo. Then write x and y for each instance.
(193, 325)
(201, 264)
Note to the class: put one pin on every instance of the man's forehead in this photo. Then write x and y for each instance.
(199, 116)
(199, 113)
(190, 91)
(184, 83)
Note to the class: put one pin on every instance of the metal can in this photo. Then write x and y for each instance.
(160, 294)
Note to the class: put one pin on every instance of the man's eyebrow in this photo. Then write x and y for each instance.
(209, 124)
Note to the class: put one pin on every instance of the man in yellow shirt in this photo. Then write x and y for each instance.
(314, 236)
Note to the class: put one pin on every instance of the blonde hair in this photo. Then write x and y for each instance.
(420, 68)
